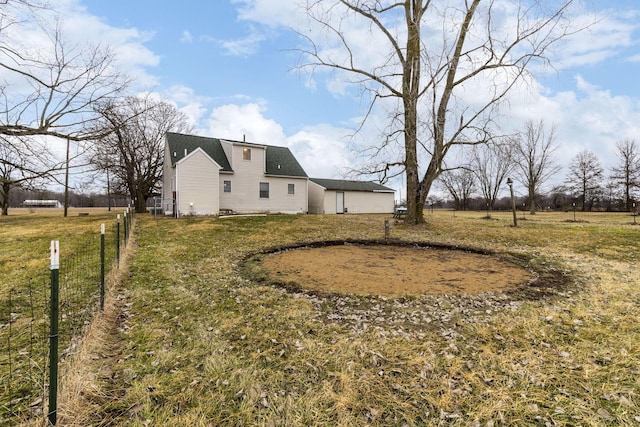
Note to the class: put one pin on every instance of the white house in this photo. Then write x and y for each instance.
(206, 176)
(331, 196)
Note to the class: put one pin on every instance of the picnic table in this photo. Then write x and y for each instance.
(400, 212)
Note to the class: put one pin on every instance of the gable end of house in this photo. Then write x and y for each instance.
(181, 145)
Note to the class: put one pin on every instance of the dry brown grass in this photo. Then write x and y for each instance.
(373, 269)
(82, 389)
(203, 345)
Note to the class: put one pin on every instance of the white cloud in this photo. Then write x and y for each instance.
(244, 46)
(186, 37)
(246, 121)
(320, 149)
(241, 46)
(603, 37)
(189, 103)
(79, 28)
(268, 12)
(584, 85)
(587, 117)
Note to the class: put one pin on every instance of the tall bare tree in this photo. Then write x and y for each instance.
(50, 89)
(133, 151)
(626, 173)
(492, 163)
(585, 178)
(534, 161)
(427, 57)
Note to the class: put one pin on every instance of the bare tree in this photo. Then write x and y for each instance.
(460, 183)
(22, 164)
(133, 151)
(491, 164)
(51, 89)
(467, 46)
(611, 195)
(534, 160)
(585, 178)
(627, 172)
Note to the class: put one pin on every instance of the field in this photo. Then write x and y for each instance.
(25, 294)
(198, 336)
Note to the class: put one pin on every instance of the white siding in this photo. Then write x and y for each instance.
(368, 202)
(316, 198)
(330, 201)
(197, 178)
(279, 198)
(245, 185)
(324, 201)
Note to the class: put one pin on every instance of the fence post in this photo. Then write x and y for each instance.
(53, 336)
(126, 228)
(118, 241)
(102, 267)
(130, 217)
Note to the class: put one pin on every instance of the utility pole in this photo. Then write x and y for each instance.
(66, 182)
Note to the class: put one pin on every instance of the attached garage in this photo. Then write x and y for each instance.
(337, 196)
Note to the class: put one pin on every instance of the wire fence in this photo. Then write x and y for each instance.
(34, 317)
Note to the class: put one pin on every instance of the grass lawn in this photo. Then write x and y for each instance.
(192, 340)
(25, 294)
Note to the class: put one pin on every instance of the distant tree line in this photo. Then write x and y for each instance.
(76, 199)
(528, 158)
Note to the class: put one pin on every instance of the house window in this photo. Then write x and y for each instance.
(264, 190)
(292, 189)
(227, 186)
(246, 154)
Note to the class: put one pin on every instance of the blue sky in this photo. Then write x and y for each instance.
(228, 64)
(209, 49)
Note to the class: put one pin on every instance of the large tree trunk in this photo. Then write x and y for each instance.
(410, 88)
(4, 197)
(532, 200)
(140, 202)
(439, 148)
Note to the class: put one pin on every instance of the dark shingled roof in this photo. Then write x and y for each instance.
(179, 142)
(346, 185)
(281, 162)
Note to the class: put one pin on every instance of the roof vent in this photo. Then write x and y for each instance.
(175, 154)
(185, 151)
(278, 166)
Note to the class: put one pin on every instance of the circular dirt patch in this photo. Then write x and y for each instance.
(390, 270)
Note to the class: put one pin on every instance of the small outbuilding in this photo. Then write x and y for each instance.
(337, 196)
(42, 204)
